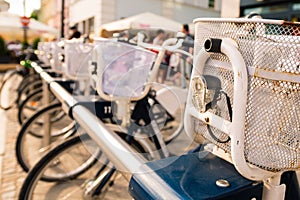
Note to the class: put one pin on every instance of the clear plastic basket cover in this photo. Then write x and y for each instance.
(44, 52)
(125, 68)
(77, 57)
(56, 52)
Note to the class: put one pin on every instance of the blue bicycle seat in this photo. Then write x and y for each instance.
(198, 175)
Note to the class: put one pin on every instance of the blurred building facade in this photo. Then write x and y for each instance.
(90, 15)
(51, 13)
(4, 6)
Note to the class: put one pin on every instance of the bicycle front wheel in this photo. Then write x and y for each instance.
(31, 105)
(8, 90)
(28, 90)
(64, 163)
(31, 143)
(170, 126)
(65, 159)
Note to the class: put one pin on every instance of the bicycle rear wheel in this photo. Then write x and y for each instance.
(71, 188)
(8, 90)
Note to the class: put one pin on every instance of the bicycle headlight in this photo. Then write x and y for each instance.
(204, 91)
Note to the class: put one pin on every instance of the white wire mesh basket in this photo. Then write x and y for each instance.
(56, 60)
(77, 57)
(271, 52)
(122, 69)
(44, 49)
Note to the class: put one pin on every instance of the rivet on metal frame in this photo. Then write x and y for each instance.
(222, 183)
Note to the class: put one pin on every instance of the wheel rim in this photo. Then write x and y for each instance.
(8, 91)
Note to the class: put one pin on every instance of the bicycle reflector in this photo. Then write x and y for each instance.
(205, 90)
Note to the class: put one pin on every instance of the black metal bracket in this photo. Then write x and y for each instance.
(102, 109)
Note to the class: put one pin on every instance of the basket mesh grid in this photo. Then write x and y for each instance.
(272, 124)
(126, 69)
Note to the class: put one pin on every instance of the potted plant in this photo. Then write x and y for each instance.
(4, 56)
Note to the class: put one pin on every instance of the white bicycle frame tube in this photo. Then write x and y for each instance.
(170, 44)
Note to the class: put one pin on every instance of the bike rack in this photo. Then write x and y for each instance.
(118, 152)
(238, 175)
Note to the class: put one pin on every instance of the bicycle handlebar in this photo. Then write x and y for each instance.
(170, 44)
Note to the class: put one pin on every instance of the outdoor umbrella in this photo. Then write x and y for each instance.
(146, 20)
(11, 28)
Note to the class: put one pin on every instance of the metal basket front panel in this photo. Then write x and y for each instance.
(126, 69)
(40, 52)
(272, 124)
(56, 52)
(44, 49)
(77, 56)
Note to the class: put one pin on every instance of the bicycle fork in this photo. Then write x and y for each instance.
(95, 187)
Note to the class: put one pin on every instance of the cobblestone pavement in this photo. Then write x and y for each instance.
(12, 175)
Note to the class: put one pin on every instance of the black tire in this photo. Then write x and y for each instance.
(30, 145)
(34, 176)
(35, 96)
(28, 89)
(32, 103)
(8, 90)
(52, 155)
(30, 78)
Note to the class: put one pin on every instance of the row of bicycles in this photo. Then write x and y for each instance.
(127, 99)
(91, 112)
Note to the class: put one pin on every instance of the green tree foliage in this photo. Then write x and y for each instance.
(35, 15)
(35, 43)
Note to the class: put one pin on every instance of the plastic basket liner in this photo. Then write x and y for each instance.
(77, 57)
(126, 69)
(56, 52)
(271, 52)
(44, 52)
